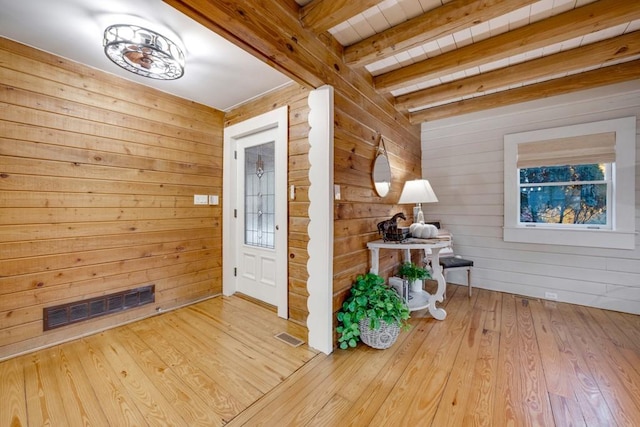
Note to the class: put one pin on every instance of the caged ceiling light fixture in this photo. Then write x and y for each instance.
(143, 52)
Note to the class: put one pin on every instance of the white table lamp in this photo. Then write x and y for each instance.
(417, 191)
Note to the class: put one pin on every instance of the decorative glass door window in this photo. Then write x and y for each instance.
(259, 196)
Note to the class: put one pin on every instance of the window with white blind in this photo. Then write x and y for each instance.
(566, 182)
(573, 185)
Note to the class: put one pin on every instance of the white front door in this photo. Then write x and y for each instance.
(256, 222)
(255, 209)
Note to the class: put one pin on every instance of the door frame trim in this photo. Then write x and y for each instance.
(279, 119)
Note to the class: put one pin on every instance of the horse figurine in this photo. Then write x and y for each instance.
(389, 227)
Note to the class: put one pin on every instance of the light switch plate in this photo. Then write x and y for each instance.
(200, 199)
(213, 199)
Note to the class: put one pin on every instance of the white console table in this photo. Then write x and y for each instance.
(422, 299)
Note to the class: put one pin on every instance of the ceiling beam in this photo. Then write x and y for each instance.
(577, 22)
(320, 15)
(432, 25)
(224, 20)
(590, 79)
(273, 33)
(597, 53)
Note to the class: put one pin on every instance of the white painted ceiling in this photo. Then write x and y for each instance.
(217, 73)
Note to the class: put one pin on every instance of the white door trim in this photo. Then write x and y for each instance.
(274, 119)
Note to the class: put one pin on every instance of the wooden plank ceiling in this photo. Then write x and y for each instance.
(441, 58)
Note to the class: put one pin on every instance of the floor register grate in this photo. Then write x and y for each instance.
(289, 339)
(78, 311)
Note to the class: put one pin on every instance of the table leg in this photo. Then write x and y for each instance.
(374, 255)
(437, 313)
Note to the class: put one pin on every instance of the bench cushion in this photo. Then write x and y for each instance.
(453, 262)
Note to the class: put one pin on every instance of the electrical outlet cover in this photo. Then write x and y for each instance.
(200, 199)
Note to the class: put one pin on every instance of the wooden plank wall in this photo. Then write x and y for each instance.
(97, 177)
(464, 157)
(360, 209)
(295, 97)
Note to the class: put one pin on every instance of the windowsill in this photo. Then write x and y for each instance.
(607, 239)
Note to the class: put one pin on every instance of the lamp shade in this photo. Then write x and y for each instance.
(417, 191)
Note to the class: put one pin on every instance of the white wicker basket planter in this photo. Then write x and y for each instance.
(379, 338)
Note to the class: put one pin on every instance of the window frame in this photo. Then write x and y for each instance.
(622, 234)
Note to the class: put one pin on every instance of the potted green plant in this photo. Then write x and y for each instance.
(414, 274)
(372, 313)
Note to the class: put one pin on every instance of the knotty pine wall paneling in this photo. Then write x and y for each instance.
(359, 209)
(97, 177)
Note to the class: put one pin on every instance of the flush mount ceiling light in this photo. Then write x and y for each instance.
(143, 52)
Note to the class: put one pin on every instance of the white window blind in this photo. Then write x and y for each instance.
(575, 150)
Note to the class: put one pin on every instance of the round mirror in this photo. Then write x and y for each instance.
(382, 175)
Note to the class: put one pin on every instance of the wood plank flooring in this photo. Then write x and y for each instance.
(196, 366)
(496, 360)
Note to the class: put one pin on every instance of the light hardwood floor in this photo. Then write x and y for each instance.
(496, 360)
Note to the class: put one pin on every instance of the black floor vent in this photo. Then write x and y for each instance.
(74, 312)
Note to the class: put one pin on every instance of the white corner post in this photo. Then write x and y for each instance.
(320, 228)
